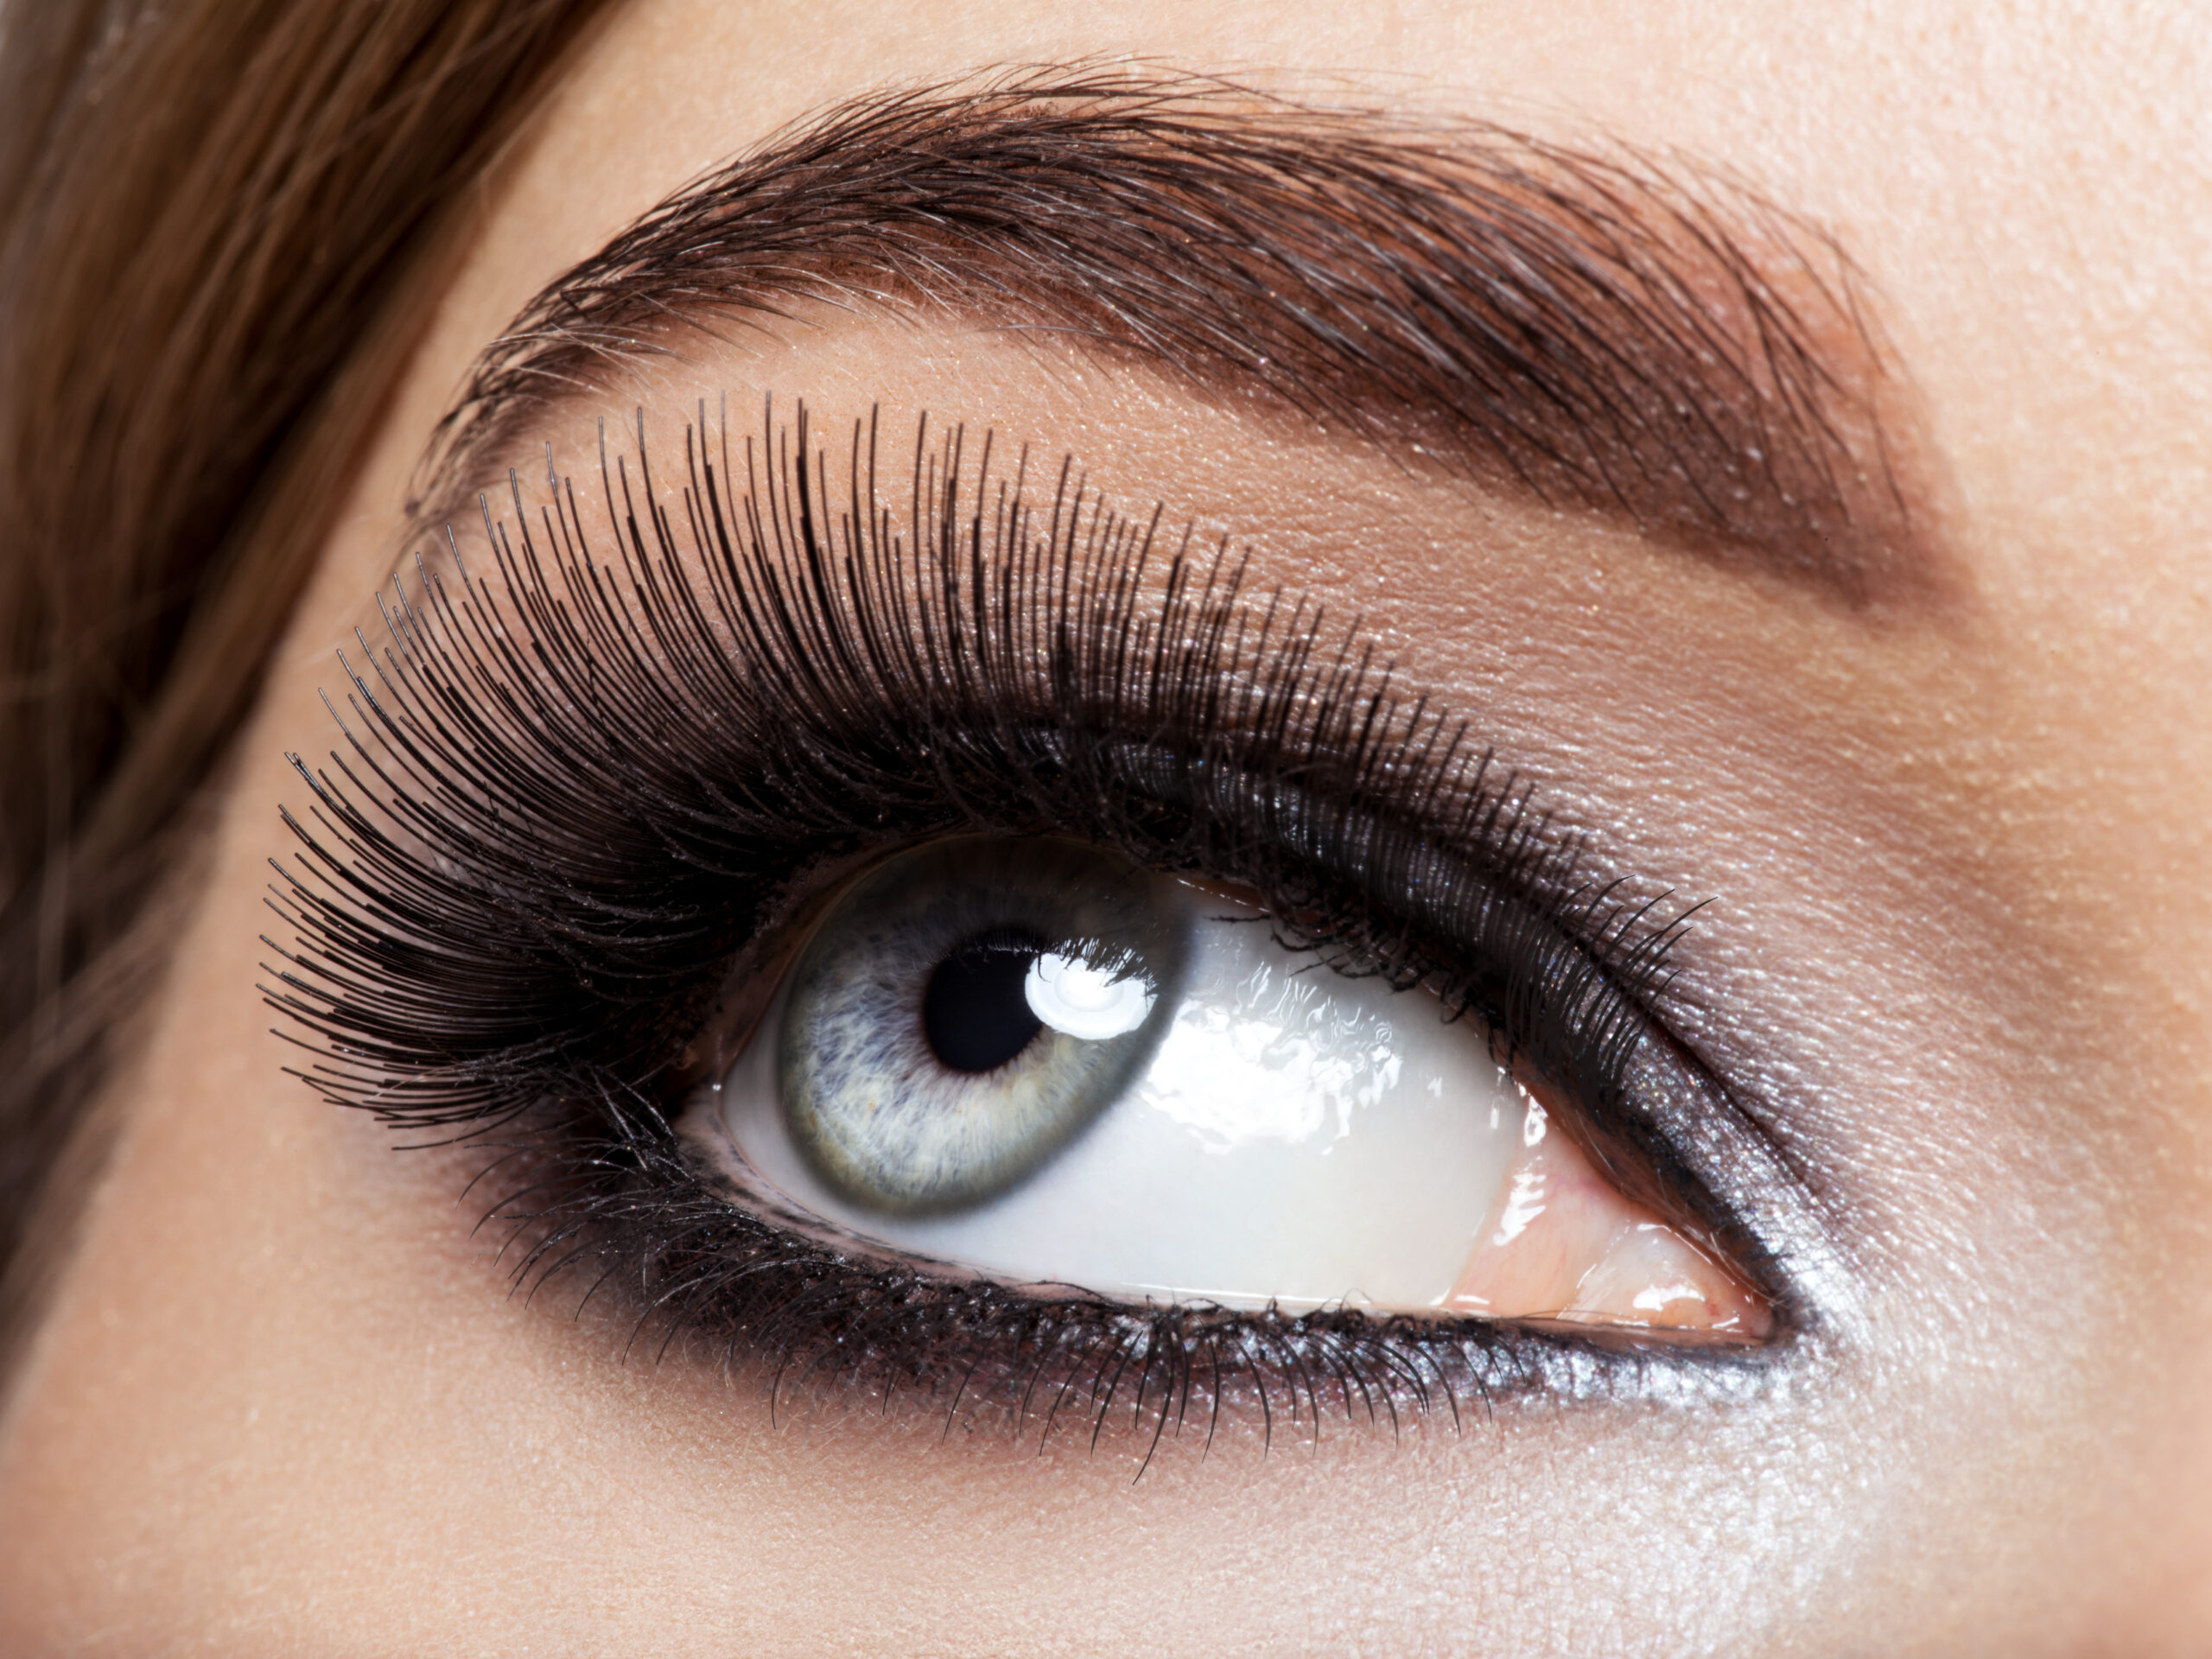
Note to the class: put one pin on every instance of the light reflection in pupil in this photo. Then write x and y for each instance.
(1086, 1000)
(975, 1011)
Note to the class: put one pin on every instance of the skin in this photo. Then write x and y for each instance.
(1961, 876)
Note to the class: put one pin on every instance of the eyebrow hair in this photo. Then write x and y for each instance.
(1596, 330)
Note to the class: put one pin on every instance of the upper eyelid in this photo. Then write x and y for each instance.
(1590, 325)
(1335, 708)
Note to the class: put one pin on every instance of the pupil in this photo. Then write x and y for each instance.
(975, 1012)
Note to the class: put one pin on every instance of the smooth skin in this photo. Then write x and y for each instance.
(1960, 861)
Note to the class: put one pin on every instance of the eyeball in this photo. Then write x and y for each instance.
(1034, 1060)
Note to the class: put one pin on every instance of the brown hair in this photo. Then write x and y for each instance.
(212, 213)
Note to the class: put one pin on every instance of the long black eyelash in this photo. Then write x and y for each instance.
(576, 788)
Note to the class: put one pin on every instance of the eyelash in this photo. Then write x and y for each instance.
(578, 792)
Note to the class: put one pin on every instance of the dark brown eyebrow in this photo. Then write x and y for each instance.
(1597, 329)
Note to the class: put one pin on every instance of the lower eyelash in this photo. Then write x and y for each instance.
(811, 1327)
(576, 794)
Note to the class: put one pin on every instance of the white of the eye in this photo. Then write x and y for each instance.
(1086, 1002)
(1296, 1137)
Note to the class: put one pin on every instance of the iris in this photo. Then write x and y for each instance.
(967, 1010)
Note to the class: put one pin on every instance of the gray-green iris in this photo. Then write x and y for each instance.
(941, 1039)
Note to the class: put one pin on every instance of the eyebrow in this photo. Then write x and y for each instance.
(1591, 327)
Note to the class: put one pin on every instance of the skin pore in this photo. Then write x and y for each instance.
(1954, 851)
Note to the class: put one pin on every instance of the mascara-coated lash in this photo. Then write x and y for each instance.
(579, 789)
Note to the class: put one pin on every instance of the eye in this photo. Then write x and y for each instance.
(1032, 1059)
(906, 958)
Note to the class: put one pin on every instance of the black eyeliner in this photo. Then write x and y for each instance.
(577, 790)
